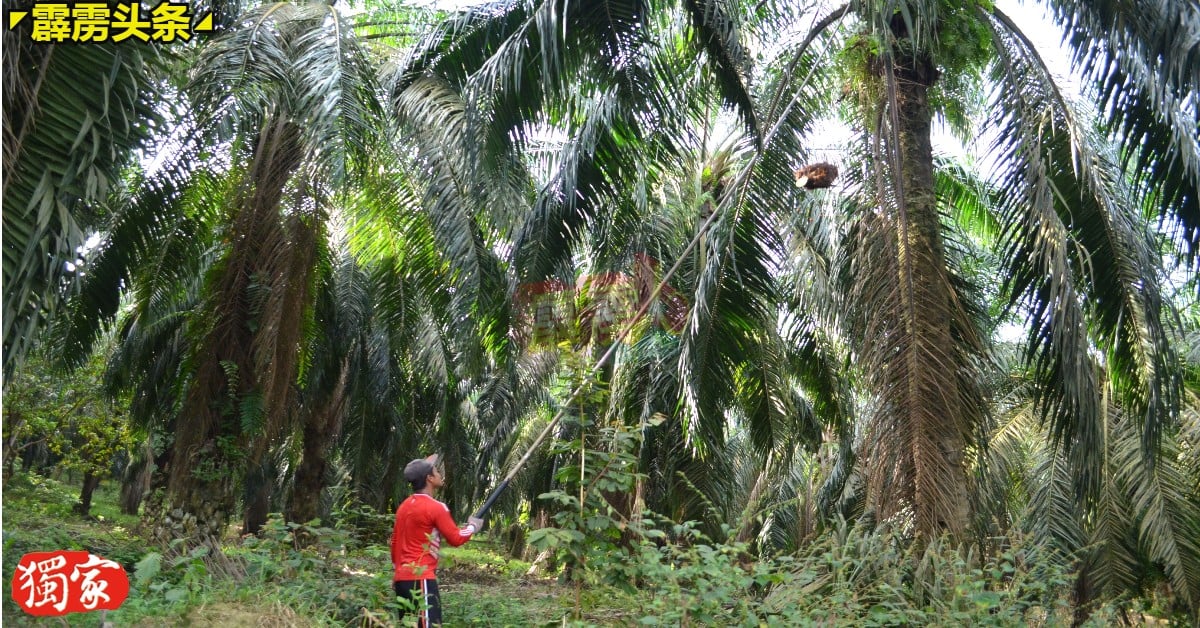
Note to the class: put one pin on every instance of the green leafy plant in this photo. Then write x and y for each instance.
(602, 470)
(311, 567)
(80, 429)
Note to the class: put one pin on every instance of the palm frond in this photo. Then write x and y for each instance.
(1142, 519)
(600, 77)
(733, 285)
(158, 215)
(1035, 234)
(504, 397)
(73, 116)
(456, 198)
(718, 33)
(1091, 246)
(1142, 59)
(1165, 511)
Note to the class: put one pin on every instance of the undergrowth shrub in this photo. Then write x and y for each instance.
(675, 575)
(179, 579)
(484, 562)
(362, 522)
(313, 569)
(305, 568)
(38, 517)
(878, 578)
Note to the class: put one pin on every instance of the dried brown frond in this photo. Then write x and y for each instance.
(226, 365)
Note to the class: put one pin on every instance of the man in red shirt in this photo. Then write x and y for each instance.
(422, 523)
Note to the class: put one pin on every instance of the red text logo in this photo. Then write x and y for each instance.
(57, 583)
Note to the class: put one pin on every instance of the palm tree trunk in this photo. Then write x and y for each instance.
(135, 482)
(321, 427)
(930, 385)
(154, 502)
(209, 452)
(13, 421)
(202, 500)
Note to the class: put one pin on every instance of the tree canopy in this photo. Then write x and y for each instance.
(329, 238)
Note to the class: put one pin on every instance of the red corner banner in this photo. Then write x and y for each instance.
(57, 583)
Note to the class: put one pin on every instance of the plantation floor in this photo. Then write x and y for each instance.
(273, 583)
(343, 578)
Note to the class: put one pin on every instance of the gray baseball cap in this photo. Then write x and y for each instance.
(420, 468)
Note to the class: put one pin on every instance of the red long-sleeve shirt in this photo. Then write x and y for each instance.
(422, 522)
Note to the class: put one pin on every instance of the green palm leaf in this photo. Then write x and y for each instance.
(1143, 60)
(73, 115)
(1085, 242)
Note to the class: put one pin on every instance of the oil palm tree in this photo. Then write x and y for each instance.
(293, 141)
(289, 89)
(1081, 261)
(577, 96)
(392, 347)
(1142, 527)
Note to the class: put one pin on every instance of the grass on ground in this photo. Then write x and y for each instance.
(343, 580)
